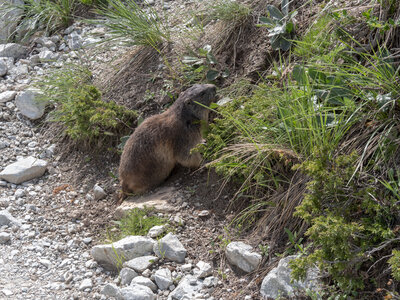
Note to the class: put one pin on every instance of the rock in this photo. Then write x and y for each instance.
(187, 288)
(3, 68)
(29, 105)
(9, 20)
(23, 170)
(13, 50)
(144, 281)
(170, 247)
(141, 263)
(111, 290)
(7, 219)
(204, 214)
(86, 284)
(204, 269)
(156, 231)
(241, 255)
(127, 274)
(163, 278)
(186, 267)
(210, 281)
(137, 292)
(98, 192)
(19, 70)
(111, 255)
(7, 95)
(4, 237)
(278, 281)
(47, 55)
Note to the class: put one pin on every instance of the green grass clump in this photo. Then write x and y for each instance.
(80, 109)
(228, 11)
(136, 222)
(129, 22)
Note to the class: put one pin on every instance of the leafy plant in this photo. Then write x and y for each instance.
(203, 66)
(79, 106)
(280, 26)
(394, 263)
(133, 24)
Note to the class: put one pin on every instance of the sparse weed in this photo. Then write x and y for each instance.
(228, 11)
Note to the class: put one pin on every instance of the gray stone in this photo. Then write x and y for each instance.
(210, 281)
(278, 281)
(144, 281)
(242, 256)
(156, 231)
(141, 263)
(187, 288)
(19, 70)
(86, 284)
(204, 269)
(48, 55)
(111, 290)
(163, 278)
(137, 292)
(111, 255)
(3, 68)
(4, 237)
(23, 170)
(98, 192)
(13, 50)
(170, 247)
(186, 267)
(126, 275)
(9, 20)
(29, 105)
(7, 219)
(7, 95)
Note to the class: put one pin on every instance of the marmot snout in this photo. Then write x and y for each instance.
(164, 140)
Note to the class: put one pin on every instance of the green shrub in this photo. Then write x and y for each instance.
(228, 11)
(394, 263)
(80, 109)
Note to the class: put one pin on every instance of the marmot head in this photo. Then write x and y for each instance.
(195, 98)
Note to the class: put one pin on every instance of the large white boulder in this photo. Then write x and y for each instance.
(29, 105)
(170, 247)
(242, 256)
(24, 169)
(163, 278)
(137, 292)
(139, 264)
(111, 256)
(278, 281)
(9, 21)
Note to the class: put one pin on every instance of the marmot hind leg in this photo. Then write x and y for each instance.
(191, 160)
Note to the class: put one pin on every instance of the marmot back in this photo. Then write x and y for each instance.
(164, 140)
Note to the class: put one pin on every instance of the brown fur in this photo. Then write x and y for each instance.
(164, 140)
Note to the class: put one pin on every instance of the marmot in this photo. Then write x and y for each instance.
(164, 140)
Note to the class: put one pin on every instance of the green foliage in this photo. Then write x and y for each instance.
(228, 11)
(394, 263)
(132, 24)
(202, 67)
(136, 222)
(280, 25)
(346, 221)
(42, 14)
(79, 106)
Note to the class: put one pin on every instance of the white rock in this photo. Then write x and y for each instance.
(111, 255)
(29, 105)
(98, 192)
(156, 231)
(170, 247)
(19, 193)
(19, 70)
(278, 281)
(4, 237)
(137, 292)
(86, 284)
(45, 262)
(187, 288)
(127, 274)
(47, 55)
(141, 263)
(12, 50)
(163, 278)
(7, 219)
(144, 281)
(210, 281)
(111, 290)
(204, 269)
(24, 170)
(242, 256)
(3, 68)
(7, 95)
(9, 20)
